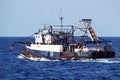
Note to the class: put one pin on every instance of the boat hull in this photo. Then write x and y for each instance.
(27, 53)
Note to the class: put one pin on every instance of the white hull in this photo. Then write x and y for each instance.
(47, 47)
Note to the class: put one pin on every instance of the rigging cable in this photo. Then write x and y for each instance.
(21, 41)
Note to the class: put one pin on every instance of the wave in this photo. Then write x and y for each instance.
(103, 60)
(36, 59)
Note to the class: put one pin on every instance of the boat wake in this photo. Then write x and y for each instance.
(35, 58)
(117, 51)
(103, 60)
(111, 60)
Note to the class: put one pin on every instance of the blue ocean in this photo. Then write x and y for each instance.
(12, 67)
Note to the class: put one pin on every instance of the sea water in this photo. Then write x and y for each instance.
(14, 67)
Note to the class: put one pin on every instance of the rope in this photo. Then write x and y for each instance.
(21, 41)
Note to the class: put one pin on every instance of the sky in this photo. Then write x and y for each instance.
(24, 17)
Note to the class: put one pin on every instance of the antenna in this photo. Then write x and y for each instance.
(61, 19)
(39, 20)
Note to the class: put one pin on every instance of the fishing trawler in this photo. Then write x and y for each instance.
(60, 42)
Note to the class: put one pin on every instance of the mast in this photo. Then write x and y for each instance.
(87, 23)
